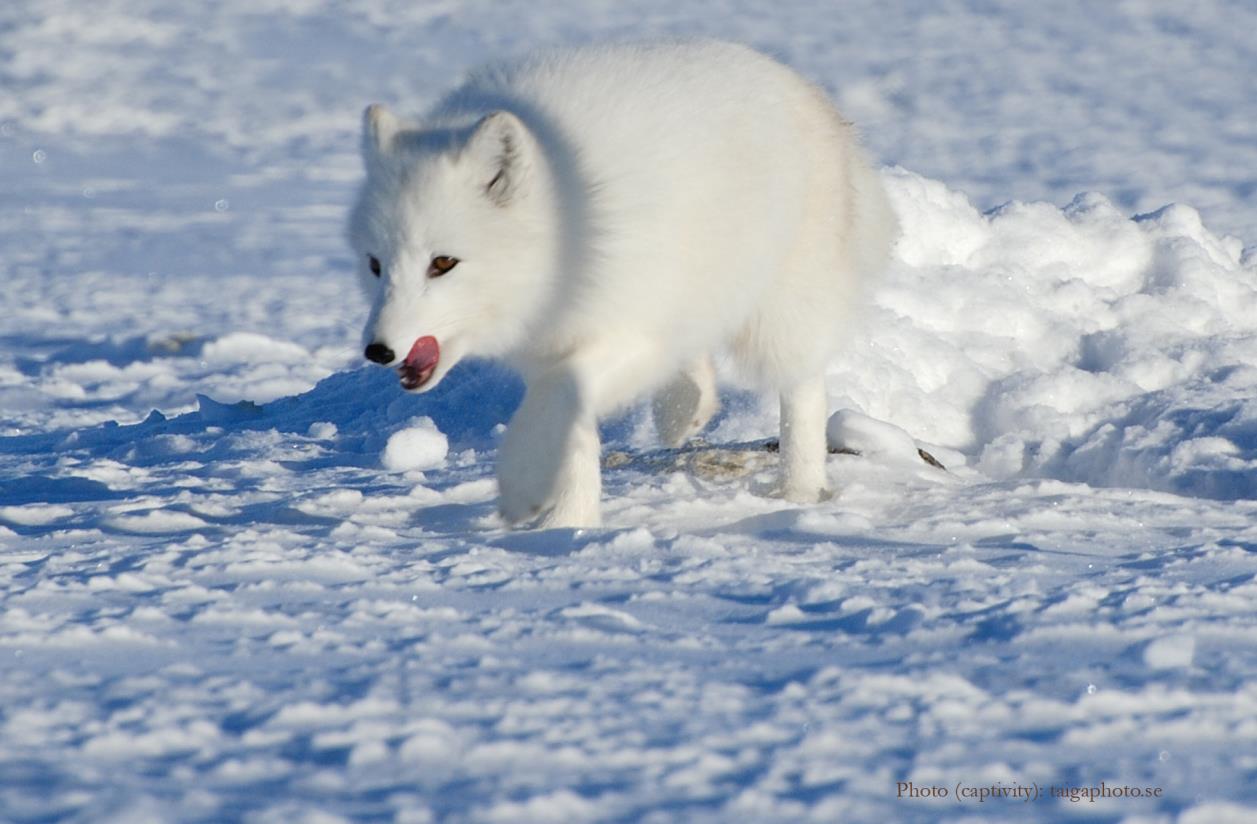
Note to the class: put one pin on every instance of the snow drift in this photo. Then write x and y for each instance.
(1070, 343)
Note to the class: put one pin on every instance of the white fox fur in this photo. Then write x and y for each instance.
(617, 214)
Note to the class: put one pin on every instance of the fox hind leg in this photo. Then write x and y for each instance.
(803, 449)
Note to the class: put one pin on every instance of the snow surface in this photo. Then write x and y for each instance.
(245, 579)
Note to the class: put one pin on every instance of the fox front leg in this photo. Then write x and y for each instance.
(548, 472)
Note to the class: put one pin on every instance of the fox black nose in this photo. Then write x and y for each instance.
(379, 353)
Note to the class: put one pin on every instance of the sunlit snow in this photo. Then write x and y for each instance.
(246, 578)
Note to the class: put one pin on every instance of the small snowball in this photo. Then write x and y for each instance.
(419, 446)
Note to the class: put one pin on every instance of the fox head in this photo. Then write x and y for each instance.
(453, 234)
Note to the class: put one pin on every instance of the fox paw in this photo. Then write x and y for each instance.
(519, 504)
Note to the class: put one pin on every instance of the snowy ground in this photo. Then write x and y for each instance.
(283, 596)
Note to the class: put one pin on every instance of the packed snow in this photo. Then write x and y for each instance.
(246, 578)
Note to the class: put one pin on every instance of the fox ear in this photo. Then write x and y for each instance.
(498, 150)
(379, 128)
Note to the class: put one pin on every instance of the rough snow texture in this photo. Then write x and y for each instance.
(1073, 343)
(234, 609)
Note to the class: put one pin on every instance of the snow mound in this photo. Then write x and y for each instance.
(1072, 343)
(849, 431)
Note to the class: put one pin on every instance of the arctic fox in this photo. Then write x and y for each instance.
(603, 219)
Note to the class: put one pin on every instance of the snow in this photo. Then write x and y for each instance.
(849, 431)
(1074, 343)
(246, 578)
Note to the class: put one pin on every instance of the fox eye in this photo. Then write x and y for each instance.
(441, 264)
(374, 263)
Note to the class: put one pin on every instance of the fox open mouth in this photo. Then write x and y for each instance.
(419, 365)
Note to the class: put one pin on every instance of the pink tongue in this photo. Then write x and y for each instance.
(424, 354)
